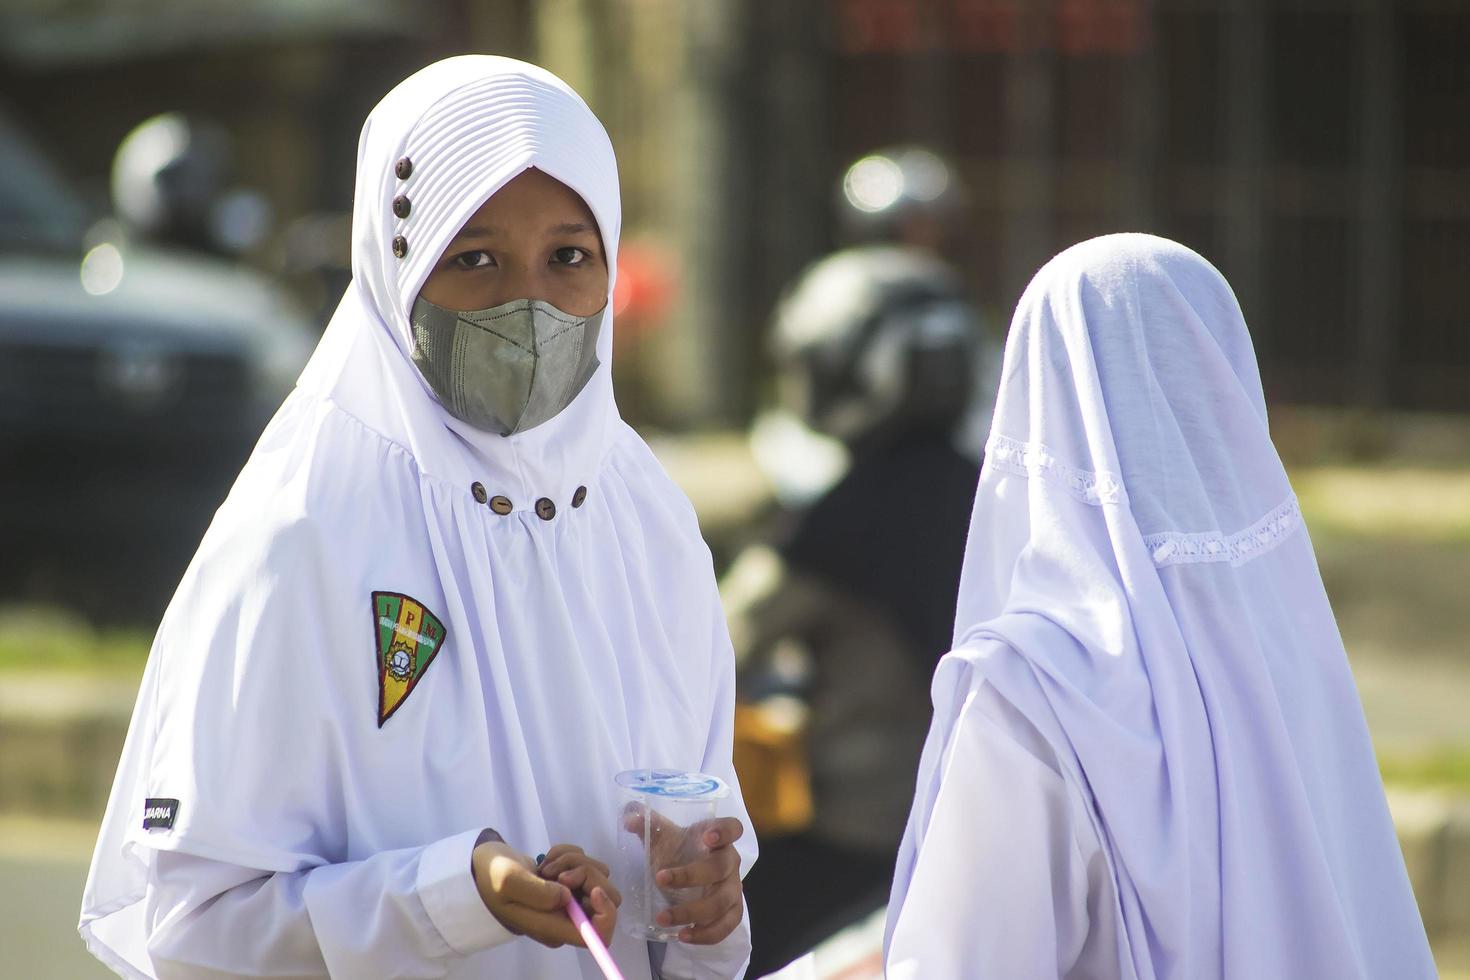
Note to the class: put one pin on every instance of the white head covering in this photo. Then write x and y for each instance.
(466, 127)
(1136, 549)
(578, 643)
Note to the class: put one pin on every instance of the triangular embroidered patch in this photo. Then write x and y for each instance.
(409, 637)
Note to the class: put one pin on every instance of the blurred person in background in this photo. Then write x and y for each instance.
(879, 356)
(172, 187)
(137, 353)
(1147, 758)
(902, 195)
(449, 598)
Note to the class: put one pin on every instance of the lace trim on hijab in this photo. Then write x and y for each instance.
(1032, 459)
(1174, 548)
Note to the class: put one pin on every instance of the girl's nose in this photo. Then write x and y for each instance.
(518, 282)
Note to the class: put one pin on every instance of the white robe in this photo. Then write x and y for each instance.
(1138, 585)
(1028, 894)
(312, 835)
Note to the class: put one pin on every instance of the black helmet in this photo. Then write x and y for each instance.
(907, 195)
(876, 340)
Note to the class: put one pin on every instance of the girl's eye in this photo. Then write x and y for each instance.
(473, 260)
(570, 255)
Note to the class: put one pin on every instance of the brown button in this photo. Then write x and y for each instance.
(478, 489)
(580, 497)
(545, 509)
(403, 168)
(401, 206)
(400, 246)
(501, 505)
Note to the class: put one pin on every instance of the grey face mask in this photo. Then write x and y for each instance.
(506, 369)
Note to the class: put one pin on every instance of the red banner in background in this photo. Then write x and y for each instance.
(1072, 27)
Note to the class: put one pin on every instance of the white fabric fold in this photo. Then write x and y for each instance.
(1139, 585)
(452, 900)
(1028, 837)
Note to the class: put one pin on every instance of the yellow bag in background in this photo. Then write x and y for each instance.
(771, 762)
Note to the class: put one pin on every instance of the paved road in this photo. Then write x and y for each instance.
(43, 891)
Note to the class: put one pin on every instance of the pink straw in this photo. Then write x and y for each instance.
(593, 940)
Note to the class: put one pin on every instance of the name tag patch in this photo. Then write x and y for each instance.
(160, 814)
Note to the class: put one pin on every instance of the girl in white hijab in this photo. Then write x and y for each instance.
(1147, 757)
(451, 596)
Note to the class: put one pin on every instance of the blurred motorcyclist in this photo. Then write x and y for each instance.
(902, 195)
(171, 186)
(839, 617)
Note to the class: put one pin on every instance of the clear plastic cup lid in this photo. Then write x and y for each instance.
(674, 784)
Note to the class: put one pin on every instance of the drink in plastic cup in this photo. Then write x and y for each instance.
(662, 816)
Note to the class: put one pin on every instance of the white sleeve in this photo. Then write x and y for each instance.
(1000, 887)
(729, 958)
(406, 913)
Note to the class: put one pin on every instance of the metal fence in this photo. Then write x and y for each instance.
(1318, 152)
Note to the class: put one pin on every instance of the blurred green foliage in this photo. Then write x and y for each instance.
(1444, 767)
(35, 638)
(1419, 503)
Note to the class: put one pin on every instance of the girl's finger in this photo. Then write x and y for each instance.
(584, 878)
(702, 911)
(604, 914)
(526, 889)
(571, 862)
(573, 878)
(715, 866)
(557, 864)
(557, 850)
(723, 831)
(592, 879)
(548, 928)
(553, 868)
(715, 932)
(610, 890)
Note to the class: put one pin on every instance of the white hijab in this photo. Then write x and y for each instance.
(467, 126)
(1138, 552)
(576, 646)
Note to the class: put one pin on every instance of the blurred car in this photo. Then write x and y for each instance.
(134, 380)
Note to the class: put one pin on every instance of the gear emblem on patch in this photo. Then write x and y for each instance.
(409, 637)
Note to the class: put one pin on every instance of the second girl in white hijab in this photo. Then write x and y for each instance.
(1147, 757)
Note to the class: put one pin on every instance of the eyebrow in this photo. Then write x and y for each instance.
(486, 231)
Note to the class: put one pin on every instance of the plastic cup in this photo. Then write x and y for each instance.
(661, 820)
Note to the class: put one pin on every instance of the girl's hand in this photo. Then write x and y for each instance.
(527, 904)
(716, 913)
(586, 877)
